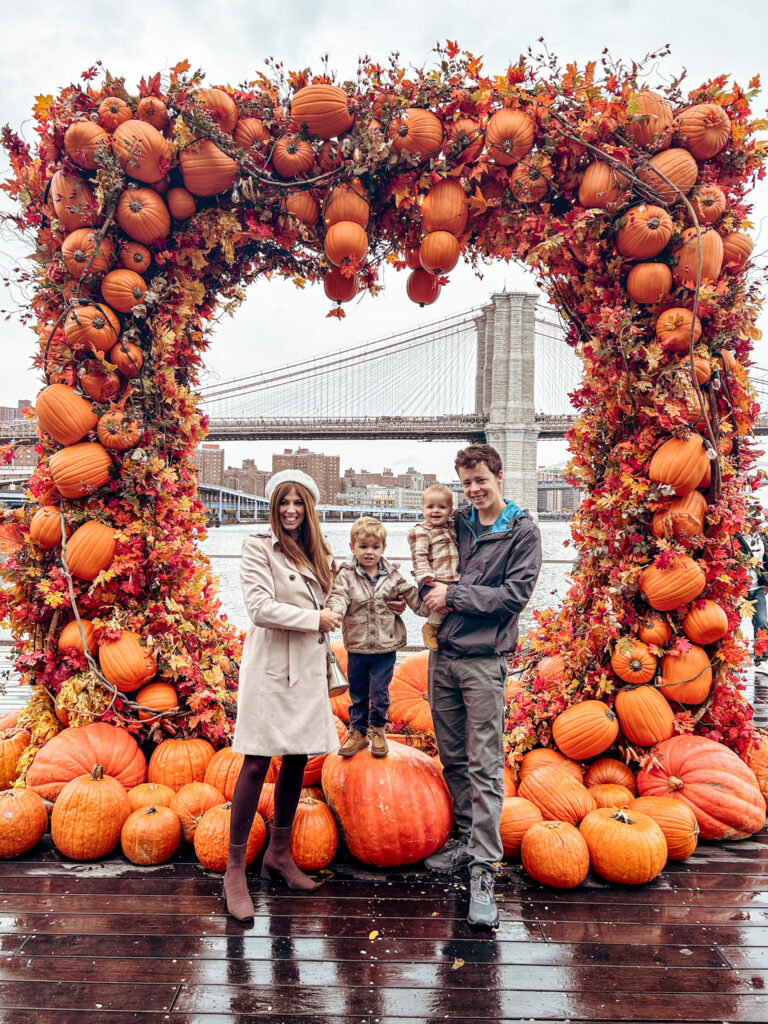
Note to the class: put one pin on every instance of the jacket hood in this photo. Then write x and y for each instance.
(510, 512)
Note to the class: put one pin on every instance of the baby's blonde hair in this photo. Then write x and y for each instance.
(438, 489)
(367, 526)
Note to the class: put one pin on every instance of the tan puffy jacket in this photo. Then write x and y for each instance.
(368, 626)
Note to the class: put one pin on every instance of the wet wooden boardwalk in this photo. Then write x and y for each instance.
(110, 942)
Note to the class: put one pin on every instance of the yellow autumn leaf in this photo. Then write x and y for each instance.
(457, 963)
(42, 107)
(373, 935)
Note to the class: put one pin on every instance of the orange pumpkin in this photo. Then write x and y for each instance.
(347, 202)
(150, 794)
(686, 257)
(80, 469)
(338, 287)
(291, 156)
(702, 368)
(625, 846)
(181, 203)
(643, 232)
(66, 756)
(676, 584)
(23, 821)
(206, 169)
(133, 256)
(142, 150)
(547, 757)
(530, 179)
(223, 771)
(90, 550)
(13, 742)
(509, 136)
(150, 835)
(517, 816)
(644, 715)
(73, 201)
(408, 703)
(323, 110)
(683, 517)
(444, 208)
(686, 676)
(676, 165)
(708, 202)
(737, 248)
(314, 835)
(439, 252)
(87, 144)
(63, 414)
(252, 135)
(127, 664)
(679, 463)
(416, 131)
(673, 329)
(143, 216)
(113, 111)
(609, 771)
(101, 385)
(466, 140)
(703, 129)
(190, 802)
(558, 796)
(585, 729)
(89, 815)
(91, 327)
(219, 106)
(649, 119)
(609, 794)
(123, 289)
(705, 623)
(654, 630)
(345, 242)
(604, 186)
(174, 763)
(116, 432)
(153, 110)
(555, 854)
(675, 819)
(422, 287)
(633, 662)
(649, 283)
(212, 838)
(85, 252)
(157, 698)
(45, 527)
(301, 205)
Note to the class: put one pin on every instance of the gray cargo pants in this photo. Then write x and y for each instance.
(467, 700)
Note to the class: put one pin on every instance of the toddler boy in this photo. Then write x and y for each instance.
(434, 551)
(372, 633)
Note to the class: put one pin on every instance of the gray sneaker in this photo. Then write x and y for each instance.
(483, 912)
(452, 856)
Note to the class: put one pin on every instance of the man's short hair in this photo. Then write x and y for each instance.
(367, 526)
(468, 458)
(438, 489)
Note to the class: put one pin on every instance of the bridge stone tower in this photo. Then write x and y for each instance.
(504, 389)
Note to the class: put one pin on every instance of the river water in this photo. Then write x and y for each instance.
(227, 541)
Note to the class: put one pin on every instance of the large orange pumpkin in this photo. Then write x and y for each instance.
(625, 846)
(133, 256)
(408, 703)
(64, 414)
(439, 252)
(643, 232)
(45, 527)
(649, 119)
(212, 837)
(555, 854)
(644, 714)
(93, 326)
(708, 202)
(323, 109)
(174, 763)
(123, 289)
(585, 729)
(207, 170)
(150, 835)
(416, 131)
(509, 136)
(676, 165)
(649, 283)
(558, 796)
(252, 135)
(683, 517)
(705, 623)
(223, 770)
(347, 202)
(219, 106)
(23, 821)
(674, 585)
(609, 771)
(153, 110)
(604, 186)
(113, 111)
(128, 358)
(127, 663)
(156, 698)
(633, 662)
(89, 815)
(301, 205)
(529, 180)
(345, 242)
(73, 201)
(85, 252)
(142, 150)
(679, 463)
(90, 549)
(80, 469)
(675, 819)
(190, 802)
(517, 816)
(292, 156)
(314, 835)
(674, 329)
(685, 258)
(703, 129)
(422, 287)
(76, 750)
(338, 287)
(87, 144)
(143, 216)
(737, 248)
(716, 784)
(392, 810)
(686, 676)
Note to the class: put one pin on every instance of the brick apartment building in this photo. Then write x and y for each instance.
(412, 478)
(209, 460)
(324, 470)
(247, 478)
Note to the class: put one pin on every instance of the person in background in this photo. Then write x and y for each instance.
(364, 592)
(499, 562)
(433, 551)
(283, 707)
(753, 544)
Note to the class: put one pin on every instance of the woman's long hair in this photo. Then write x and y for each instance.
(310, 550)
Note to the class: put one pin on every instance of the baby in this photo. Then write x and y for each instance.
(433, 550)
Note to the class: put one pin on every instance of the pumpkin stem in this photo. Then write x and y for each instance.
(97, 772)
(674, 783)
(620, 814)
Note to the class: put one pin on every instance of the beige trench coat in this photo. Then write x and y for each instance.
(283, 705)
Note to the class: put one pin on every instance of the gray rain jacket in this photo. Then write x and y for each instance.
(498, 571)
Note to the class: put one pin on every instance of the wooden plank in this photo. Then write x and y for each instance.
(245, 946)
(683, 935)
(105, 995)
(752, 958)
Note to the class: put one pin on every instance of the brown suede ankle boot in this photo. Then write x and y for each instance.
(239, 902)
(278, 862)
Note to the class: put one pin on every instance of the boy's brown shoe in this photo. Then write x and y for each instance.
(379, 745)
(355, 741)
(429, 633)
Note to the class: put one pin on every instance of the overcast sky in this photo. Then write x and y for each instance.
(47, 45)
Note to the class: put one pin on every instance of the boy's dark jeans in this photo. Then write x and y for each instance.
(369, 676)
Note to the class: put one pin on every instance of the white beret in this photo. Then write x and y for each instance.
(293, 476)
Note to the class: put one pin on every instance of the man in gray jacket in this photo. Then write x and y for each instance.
(499, 562)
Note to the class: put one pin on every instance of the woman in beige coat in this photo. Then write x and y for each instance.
(283, 707)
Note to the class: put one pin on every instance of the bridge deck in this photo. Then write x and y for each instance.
(96, 943)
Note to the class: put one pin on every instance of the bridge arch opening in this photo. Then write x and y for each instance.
(149, 228)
